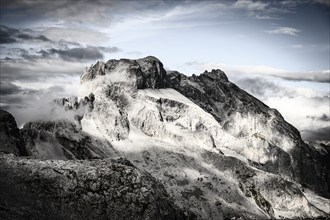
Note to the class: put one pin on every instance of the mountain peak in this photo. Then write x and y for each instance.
(141, 73)
(216, 74)
(150, 58)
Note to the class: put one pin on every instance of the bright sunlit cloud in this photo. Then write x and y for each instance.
(284, 30)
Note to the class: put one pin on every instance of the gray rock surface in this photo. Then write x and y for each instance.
(62, 140)
(224, 100)
(148, 72)
(97, 189)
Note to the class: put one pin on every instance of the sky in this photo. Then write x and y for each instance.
(278, 51)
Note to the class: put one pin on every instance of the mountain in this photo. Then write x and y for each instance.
(215, 151)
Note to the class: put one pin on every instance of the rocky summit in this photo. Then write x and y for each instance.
(145, 143)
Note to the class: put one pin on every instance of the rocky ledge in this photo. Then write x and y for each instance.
(98, 189)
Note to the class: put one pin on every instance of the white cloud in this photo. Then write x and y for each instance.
(250, 5)
(304, 105)
(266, 17)
(284, 30)
(40, 106)
(297, 109)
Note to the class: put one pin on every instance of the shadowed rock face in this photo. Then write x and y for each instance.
(99, 189)
(60, 140)
(10, 141)
(147, 72)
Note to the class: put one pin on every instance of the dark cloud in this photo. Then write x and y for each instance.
(13, 96)
(38, 70)
(78, 53)
(65, 43)
(30, 37)
(322, 2)
(12, 35)
(96, 12)
(109, 49)
(323, 117)
(12, 100)
(28, 11)
(8, 88)
(321, 76)
(66, 50)
(321, 134)
(63, 49)
(6, 34)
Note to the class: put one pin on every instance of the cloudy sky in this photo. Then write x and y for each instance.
(276, 50)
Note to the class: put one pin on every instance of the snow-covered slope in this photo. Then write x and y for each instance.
(218, 151)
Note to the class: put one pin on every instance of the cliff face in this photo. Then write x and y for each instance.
(62, 140)
(10, 140)
(142, 73)
(216, 150)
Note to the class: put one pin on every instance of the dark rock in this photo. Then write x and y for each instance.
(148, 72)
(153, 73)
(100, 189)
(59, 140)
(10, 141)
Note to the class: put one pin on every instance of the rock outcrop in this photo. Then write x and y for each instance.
(142, 73)
(10, 140)
(62, 140)
(98, 189)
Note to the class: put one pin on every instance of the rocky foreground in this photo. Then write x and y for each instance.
(98, 189)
